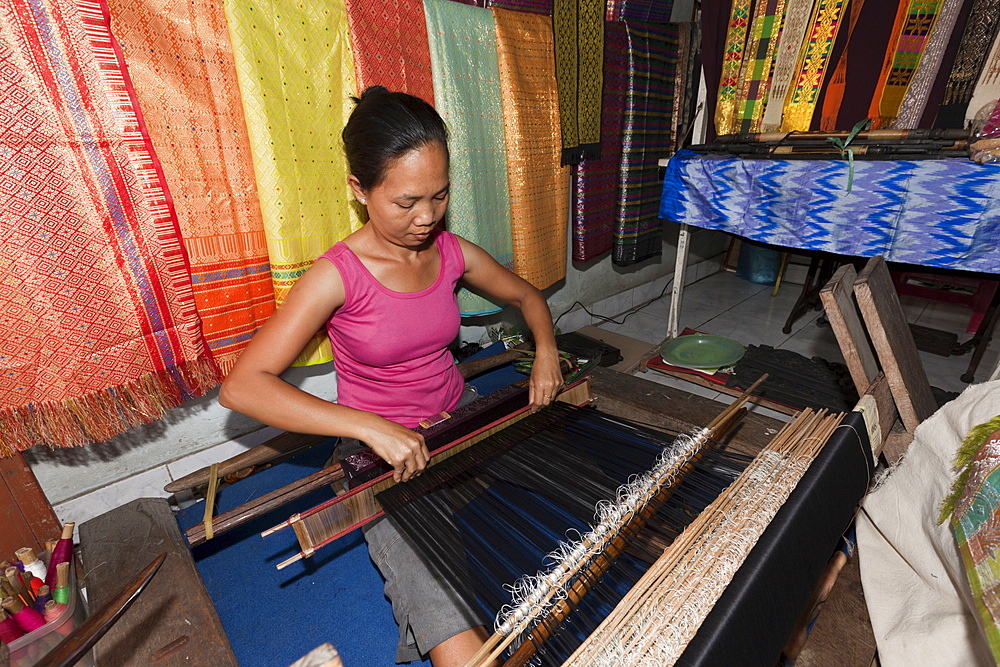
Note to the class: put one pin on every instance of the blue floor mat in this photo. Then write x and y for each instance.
(274, 617)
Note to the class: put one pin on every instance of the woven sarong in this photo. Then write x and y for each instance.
(761, 50)
(390, 46)
(539, 187)
(906, 48)
(643, 10)
(784, 72)
(732, 62)
(832, 93)
(578, 28)
(933, 105)
(980, 31)
(296, 76)
(652, 51)
(595, 182)
(820, 35)
(182, 67)
(467, 94)
(919, 90)
(98, 330)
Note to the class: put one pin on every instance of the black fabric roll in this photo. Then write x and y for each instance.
(756, 614)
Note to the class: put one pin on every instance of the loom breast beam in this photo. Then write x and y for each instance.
(289, 443)
(331, 520)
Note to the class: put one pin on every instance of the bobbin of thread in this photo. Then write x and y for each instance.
(31, 563)
(27, 618)
(61, 592)
(44, 595)
(9, 629)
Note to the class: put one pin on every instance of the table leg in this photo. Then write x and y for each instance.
(677, 290)
(982, 337)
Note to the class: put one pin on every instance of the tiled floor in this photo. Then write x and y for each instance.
(729, 306)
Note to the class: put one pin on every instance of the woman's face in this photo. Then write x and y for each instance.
(412, 198)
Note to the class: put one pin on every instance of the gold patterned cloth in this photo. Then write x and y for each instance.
(578, 27)
(181, 63)
(784, 72)
(539, 187)
(732, 64)
(463, 48)
(296, 76)
(801, 103)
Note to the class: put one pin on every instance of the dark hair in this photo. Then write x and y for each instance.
(383, 127)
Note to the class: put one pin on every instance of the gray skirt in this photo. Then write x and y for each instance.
(425, 605)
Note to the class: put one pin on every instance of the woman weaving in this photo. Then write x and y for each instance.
(386, 295)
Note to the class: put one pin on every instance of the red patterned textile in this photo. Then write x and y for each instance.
(98, 329)
(181, 64)
(389, 40)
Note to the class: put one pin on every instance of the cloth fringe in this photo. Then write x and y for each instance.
(101, 415)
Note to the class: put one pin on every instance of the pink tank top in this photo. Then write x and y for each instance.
(391, 348)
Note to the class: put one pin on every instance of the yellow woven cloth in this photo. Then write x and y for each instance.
(539, 187)
(296, 76)
(801, 101)
(181, 63)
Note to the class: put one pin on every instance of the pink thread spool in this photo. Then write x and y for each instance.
(27, 618)
(9, 629)
(52, 610)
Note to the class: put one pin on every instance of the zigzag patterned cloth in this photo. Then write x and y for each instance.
(182, 68)
(296, 99)
(939, 213)
(98, 330)
(463, 51)
(390, 46)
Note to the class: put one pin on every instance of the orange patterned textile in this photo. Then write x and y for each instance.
(98, 329)
(389, 39)
(181, 63)
(539, 187)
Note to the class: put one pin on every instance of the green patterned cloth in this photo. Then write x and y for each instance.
(467, 95)
(975, 520)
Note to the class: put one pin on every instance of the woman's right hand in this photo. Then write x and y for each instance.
(400, 447)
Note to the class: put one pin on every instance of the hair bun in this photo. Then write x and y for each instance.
(372, 91)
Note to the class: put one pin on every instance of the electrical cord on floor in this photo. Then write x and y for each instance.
(628, 313)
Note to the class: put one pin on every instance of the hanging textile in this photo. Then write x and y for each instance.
(934, 100)
(181, 65)
(660, 11)
(832, 93)
(784, 71)
(467, 95)
(390, 46)
(539, 187)
(98, 329)
(981, 29)
(756, 73)
(987, 89)
(918, 18)
(820, 35)
(296, 98)
(578, 33)
(917, 93)
(595, 182)
(732, 61)
(685, 83)
(865, 55)
(652, 51)
(537, 6)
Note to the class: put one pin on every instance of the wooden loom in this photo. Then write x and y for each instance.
(636, 398)
(800, 441)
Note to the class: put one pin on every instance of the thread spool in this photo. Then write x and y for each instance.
(44, 595)
(52, 610)
(14, 579)
(31, 563)
(27, 618)
(61, 553)
(61, 592)
(9, 629)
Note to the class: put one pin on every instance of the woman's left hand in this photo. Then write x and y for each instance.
(546, 379)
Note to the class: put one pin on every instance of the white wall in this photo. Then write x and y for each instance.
(92, 479)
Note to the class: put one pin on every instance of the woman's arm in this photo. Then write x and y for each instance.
(486, 275)
(255, 388)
